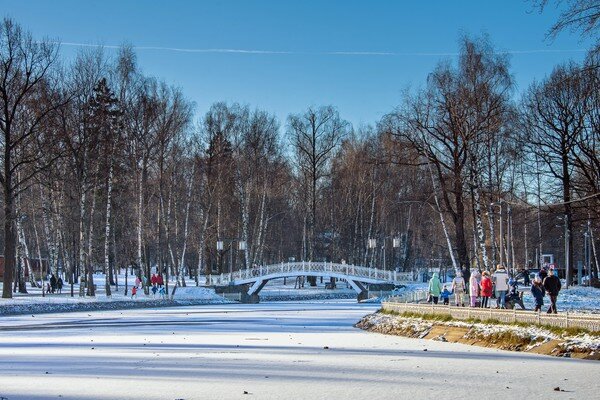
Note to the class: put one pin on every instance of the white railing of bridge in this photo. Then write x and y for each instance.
(307, 268)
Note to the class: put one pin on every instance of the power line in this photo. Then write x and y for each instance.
(313, 53)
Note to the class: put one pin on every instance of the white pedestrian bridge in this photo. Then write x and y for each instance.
(356, 276)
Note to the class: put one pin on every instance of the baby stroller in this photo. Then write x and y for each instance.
(514, 297)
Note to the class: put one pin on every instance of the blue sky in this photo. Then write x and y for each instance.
(302, 39)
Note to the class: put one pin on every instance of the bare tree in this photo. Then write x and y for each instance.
(315, 135)
(554, 118)
(448, 122)
(25, 79)
(581, 16)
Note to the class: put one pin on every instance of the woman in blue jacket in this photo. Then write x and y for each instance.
(537, 290)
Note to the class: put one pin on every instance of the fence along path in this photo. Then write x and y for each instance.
(590, 322)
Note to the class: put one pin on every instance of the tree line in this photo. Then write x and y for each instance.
(108, 169)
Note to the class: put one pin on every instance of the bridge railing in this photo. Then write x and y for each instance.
(308, 267)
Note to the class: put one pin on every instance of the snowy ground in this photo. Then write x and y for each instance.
(269, 350)
(33, 302)
(575, 298)
(276, 290)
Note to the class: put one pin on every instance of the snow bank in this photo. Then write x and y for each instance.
(507, 337)
(56, 303)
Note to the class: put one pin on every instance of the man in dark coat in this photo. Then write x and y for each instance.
(543, 274)
(552, 286)
(53, 283)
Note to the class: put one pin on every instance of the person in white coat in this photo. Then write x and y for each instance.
(474, 288)
(500, 279)
(458, 288)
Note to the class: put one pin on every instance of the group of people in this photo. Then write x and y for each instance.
(54, 285)
(157, 283)
(482, 286)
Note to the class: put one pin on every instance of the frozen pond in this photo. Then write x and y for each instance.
(262, 351)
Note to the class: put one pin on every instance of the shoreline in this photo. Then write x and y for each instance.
(531, 339)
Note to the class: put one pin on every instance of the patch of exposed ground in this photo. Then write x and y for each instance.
(531, 339)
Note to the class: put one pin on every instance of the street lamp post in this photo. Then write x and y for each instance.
(395, 245)
(499, 205)
(221, 247)
(371, 245)
(588, 252)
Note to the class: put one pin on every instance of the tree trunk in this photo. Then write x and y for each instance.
(39, 254)
(107, 227)
(190, 186)
(442, 220)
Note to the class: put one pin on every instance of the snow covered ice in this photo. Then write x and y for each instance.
(269, 351)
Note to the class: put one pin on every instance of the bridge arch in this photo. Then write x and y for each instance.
(356, 276)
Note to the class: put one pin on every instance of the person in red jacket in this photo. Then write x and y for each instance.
(159, 280)
(154, 280)
(486, 289)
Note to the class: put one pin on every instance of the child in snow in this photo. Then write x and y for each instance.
(161, 292)
(445, 295)
(154, 290)
(538, 293)
(134, 292)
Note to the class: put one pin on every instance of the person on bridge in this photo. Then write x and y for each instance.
(486, 289)
(458, 288)
(552, 286)
(435, 288)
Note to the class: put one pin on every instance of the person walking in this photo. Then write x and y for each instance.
(543, 273)
(486, 289)
(435, 288)
(538, 293)
(159, 280)
(53, 283)
(59, 284)
(474, 288)
(526, 279)
(458, 288)
(445, 295)
(500, 279)
(154, 280)
(552, 285)
(134, 292)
